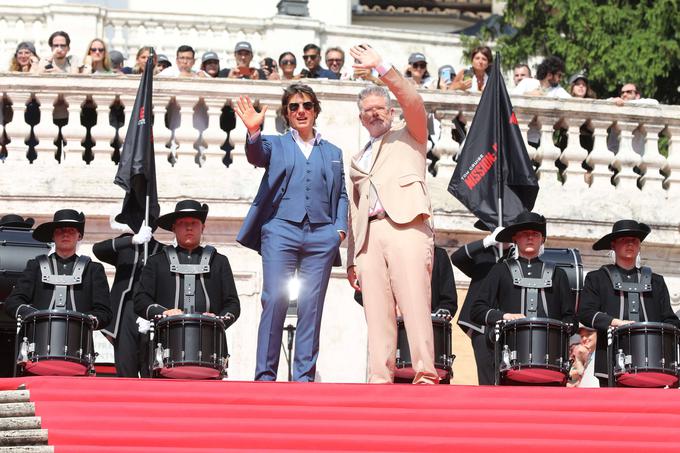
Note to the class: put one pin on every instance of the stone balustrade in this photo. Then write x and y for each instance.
(61, 136)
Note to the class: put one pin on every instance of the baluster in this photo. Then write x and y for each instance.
(446, 149)
(46, 131)
(626, 159)
(161, 134)
(213, 135)
(600, 157)
(16, 130)
(185, 133)
(73, 132)
(573, 156)
(102, 132)
(524, 120)
(652, 162)
(548, 154)
(672, 182)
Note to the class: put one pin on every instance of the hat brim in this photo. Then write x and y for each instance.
(45, 232)
(166, 221)
(507, 233)
(605, 243)
(27, 224)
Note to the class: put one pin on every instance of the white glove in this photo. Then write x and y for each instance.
(143, 236)
(143, 325)
(490, 240)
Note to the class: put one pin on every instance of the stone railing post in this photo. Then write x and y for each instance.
(573, 156)
(626, 159)
(652, 163)
(600, 157)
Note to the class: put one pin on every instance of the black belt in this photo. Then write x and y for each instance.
(379, 216)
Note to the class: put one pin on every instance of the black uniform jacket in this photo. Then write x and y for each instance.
(600, 303)
(159, 289)
(475, 261)
(499, 295)
(90, 297)
(128, 260)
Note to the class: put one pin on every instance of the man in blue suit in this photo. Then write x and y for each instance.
(297, 222)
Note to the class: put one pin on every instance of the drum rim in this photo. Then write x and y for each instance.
(189, 317)
(645, 324)
(541, 321)
(64, 314)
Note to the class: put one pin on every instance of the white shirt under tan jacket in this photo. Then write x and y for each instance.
(393, 253)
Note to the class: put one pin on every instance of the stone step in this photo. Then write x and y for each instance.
(24, 437)
(16, 423)
(17, 410)
(14, 396)
(28, 449)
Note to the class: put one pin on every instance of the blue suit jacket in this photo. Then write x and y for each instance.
(277, 155)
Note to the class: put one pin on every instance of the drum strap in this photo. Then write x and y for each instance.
(633, 291)
(188, 273)
(531, 285)
(62, 283)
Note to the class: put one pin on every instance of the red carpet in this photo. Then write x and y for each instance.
(107, 415)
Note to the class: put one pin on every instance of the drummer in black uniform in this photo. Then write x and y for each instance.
(165, 290)
(42, 286)
(602, 306)
(126, 253)
(504, 297)
(476, 260)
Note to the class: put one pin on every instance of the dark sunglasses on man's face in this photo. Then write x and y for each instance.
(294, 106)
(310, 57)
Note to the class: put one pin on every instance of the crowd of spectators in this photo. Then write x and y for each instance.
(98, 59)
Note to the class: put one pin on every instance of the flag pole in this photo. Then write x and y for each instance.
(146, 222)
(499, 160)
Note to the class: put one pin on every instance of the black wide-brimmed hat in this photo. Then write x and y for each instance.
(184, 208)
(16, 221)
(481, 226)
(525, 221)
(62, 218)
(623, 228)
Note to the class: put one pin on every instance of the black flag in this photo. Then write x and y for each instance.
(137, 168)
(494, 163)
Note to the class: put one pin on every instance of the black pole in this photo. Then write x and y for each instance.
(291, 335)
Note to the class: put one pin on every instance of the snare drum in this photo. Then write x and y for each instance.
(533, 351)
(56, 343)
(441, 326)
(190, 346)
(645, 354)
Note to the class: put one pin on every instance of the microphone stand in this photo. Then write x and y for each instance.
(291, 335)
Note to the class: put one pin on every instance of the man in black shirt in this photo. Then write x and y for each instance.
(602, 306)
(161, 289)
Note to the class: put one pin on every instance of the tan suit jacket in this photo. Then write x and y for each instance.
(397, 168)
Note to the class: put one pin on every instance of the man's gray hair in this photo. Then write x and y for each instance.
(374, 91)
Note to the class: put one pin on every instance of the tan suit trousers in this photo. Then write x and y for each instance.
(395, 266)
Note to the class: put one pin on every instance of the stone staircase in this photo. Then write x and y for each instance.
(20, 430)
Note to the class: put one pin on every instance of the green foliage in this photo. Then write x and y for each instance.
(616, 41)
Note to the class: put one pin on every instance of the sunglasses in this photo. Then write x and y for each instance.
(97, 49)
(294, 106)
(420, 65)
(310, 57)
(334, 60)
(60, 46)
(287, 62)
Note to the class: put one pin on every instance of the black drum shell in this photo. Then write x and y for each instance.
(441, 327)
(192, 340)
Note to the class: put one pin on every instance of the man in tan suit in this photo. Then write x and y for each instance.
(390, 241)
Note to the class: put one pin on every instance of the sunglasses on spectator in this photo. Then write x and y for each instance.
(310, 57)
(420, 65)
(97, 49)
(283, 62)
(334, 60)
(60, 46)
(294, 106)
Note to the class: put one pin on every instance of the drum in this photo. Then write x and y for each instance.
(533, 351)
(56, 343)
(190, 346)
(441, 327)
(645, 354)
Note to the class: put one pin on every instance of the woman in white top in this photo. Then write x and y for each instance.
(474, 79)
